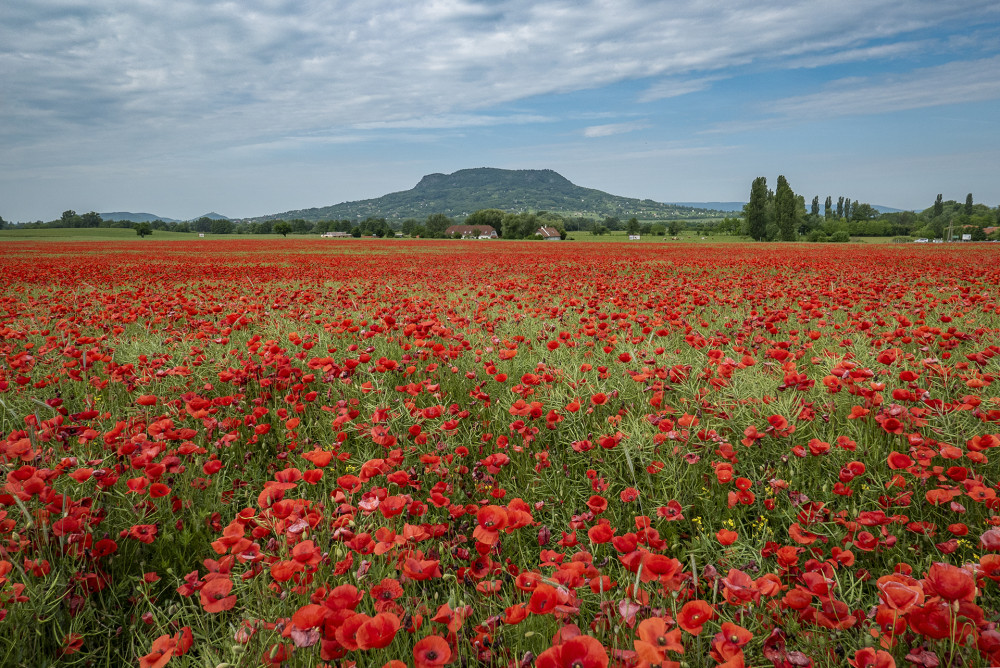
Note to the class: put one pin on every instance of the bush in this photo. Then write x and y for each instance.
(840, 237)
(817, 235)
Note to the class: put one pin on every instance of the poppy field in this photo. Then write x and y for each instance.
(423, 454)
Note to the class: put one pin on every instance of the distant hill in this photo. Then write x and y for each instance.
(467, 190)
(150, 217)
(886, 209)
(715, 206)
(136, 217)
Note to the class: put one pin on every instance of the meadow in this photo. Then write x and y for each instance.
(415, 453)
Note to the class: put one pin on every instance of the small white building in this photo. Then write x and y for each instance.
(549, 233)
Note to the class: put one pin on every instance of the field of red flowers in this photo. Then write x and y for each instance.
(426, 454)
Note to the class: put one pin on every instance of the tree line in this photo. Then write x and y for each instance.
(507, 224)
(781, 215)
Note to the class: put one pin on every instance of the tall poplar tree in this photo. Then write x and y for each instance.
(827, 206)
(756, 209)
(785, 210)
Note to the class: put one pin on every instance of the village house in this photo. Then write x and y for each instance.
(549, 233)
(471, 232)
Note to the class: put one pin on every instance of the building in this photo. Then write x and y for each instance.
(549, 233)
(471, 232)
(336, 235)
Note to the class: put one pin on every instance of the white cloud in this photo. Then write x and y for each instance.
(955, 82)
(614, 129)
(675, 88)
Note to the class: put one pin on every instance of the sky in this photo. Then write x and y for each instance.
(252, 107)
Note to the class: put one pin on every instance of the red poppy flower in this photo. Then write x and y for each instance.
(492, 520)
(215, 595)
(693, 616)
(726, 537)
(378, 631)
(162, 650)
(629, 494)
(544, 599)
(950, 582)
(869, 657)
(655, 640)
(431, 652)
(577, 652)
(900, 592)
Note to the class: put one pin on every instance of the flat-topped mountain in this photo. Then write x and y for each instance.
(459, 194)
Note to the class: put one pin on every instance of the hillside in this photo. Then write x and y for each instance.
(135, 217)
(467, 190)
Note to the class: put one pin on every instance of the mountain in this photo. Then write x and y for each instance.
(136, 217)
(885, 209)
(459, 194)
(211, 215)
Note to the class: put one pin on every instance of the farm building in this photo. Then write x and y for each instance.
(549, 233)
(471, 231)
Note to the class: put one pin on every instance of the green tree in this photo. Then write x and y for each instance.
(221, 226)
(300, 226)
(491, 217)
(282, 228)
(143, 229)
(203, 225)
(978, 234)
(784, 210)
(408, 225)
(840, 207)
(815, 206)
(436, 224)
(674, 227)
(632, 226)
(862, 212)
(755, 210)
(827, 207)
(91, 219)
(938, 205)
(69, 218)
(968, 204)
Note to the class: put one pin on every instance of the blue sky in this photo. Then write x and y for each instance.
(261, 106)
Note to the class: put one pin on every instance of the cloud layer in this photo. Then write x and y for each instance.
(120, 82)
